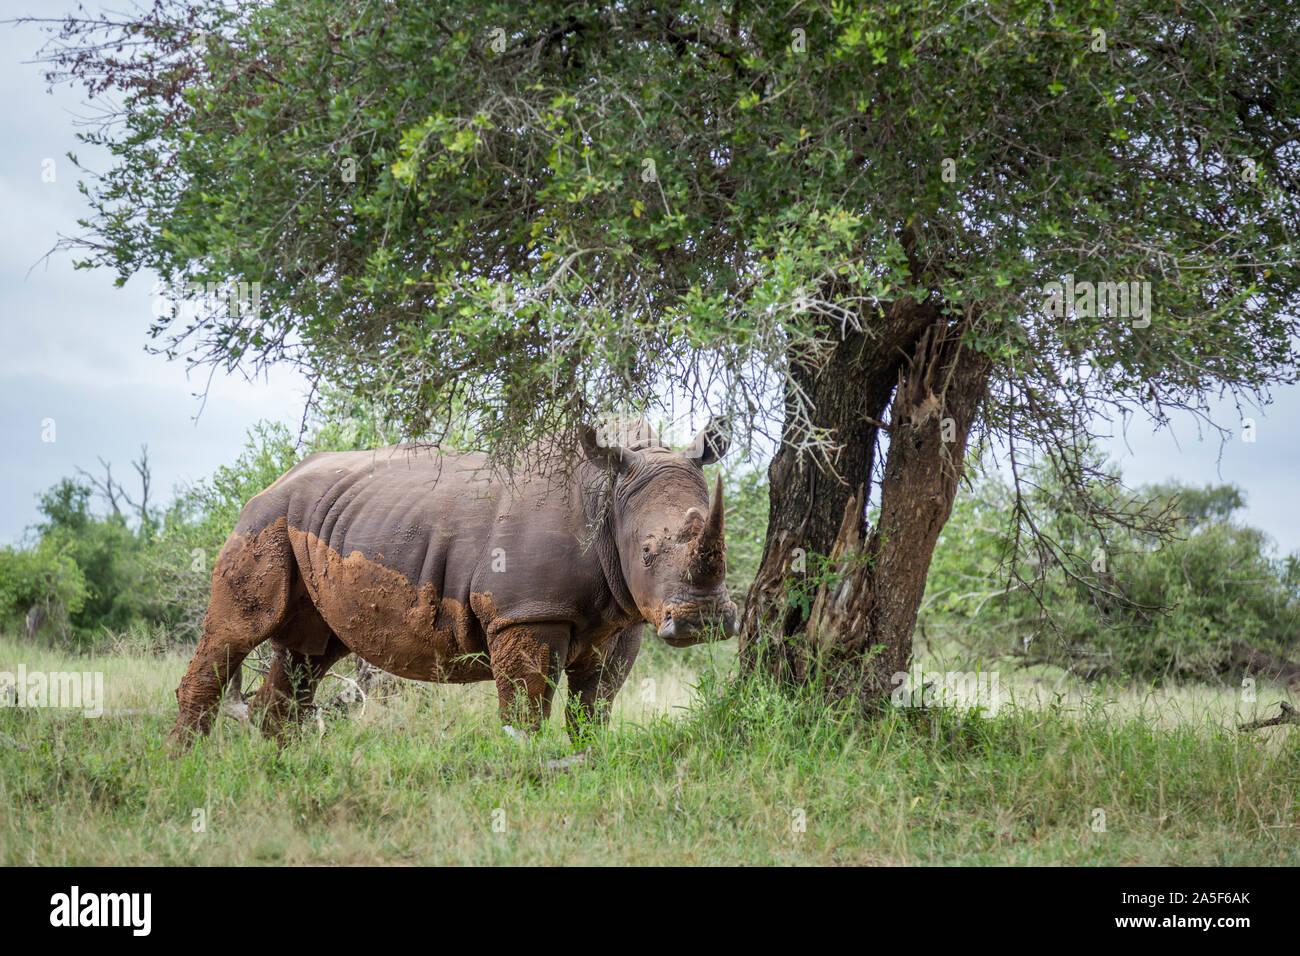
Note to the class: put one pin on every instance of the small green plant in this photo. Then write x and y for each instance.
(823, 571)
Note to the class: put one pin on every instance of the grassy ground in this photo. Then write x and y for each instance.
(719, 774)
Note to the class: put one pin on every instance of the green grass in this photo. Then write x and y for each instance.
(708, 776)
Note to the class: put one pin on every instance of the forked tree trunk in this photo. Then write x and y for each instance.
(858, 630)
(847, 395)
(861, 624)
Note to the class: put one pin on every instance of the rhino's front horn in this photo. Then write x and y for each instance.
(712, 533)
(708, 552)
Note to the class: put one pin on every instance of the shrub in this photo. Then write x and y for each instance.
(1141, 607)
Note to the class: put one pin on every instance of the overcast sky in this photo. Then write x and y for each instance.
(72, 350)
(72, 346)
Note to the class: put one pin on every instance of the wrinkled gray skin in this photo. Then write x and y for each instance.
(429, 567)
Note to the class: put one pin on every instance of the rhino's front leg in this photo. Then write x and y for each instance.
(526, 663)
(595, 677)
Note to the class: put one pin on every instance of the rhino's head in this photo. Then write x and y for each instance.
(668, 536)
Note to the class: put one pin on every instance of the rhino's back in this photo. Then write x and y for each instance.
(411, 509)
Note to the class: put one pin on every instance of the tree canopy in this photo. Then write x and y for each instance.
(538, 213)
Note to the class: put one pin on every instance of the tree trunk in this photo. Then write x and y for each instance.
(848, 394)
(861, 624)
(37, 615)
(857, 633)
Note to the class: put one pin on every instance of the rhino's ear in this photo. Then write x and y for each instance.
(712, 441)
(608, 455)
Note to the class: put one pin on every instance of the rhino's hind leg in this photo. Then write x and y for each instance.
(251, 586)
(595, 678)
(526, 664)
(290, 686)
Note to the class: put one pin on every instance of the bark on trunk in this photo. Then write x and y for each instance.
(861, 624)
(858, 632)
(848, 393)
(36, 616)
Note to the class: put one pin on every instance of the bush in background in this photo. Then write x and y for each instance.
(1136, 607)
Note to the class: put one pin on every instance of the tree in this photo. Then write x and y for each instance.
(65, 506)
(839, 223)
(39, 585)
(1197, 605)
(116, 496)
(104, 552)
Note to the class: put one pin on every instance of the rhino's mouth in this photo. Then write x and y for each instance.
(693, 622)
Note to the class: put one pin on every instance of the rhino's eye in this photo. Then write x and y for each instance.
(647, 556)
